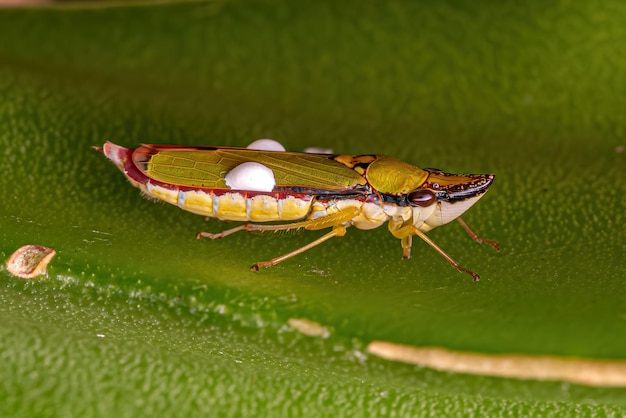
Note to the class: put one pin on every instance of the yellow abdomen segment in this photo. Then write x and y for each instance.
(234, 206)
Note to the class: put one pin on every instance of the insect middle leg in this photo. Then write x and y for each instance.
(338, 231)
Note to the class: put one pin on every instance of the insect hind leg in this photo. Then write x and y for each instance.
(222, 234)
(311, 224)
(261, 228)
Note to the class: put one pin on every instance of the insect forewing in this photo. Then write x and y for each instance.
(207, 166)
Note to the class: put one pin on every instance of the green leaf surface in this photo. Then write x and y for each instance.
(137, 317)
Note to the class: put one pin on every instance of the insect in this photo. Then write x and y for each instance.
(311, 191)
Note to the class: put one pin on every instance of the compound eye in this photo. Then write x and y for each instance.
(423, 198)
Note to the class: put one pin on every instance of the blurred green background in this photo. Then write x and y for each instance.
(139, 318)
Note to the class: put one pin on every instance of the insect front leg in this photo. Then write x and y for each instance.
(406, 242)
(404, 233)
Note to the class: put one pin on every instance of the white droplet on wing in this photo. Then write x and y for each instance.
(266, 145)
(251, 176)
(318, 150)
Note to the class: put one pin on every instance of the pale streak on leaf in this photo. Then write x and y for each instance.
(308, 327)
(590, 372)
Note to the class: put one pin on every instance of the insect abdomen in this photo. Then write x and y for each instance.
(234, 205)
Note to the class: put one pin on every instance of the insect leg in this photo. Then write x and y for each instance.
(404, 234)
(338, 231)
(221, 234)
(310, 224)
(406, 246)
(449, 259)
(476, 238)
(339, 221)
(255, 227)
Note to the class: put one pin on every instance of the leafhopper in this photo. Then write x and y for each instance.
(308, 191)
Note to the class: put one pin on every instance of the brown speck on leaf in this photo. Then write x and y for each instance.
(30, 261)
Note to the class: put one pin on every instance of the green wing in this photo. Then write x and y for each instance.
(207, 166)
